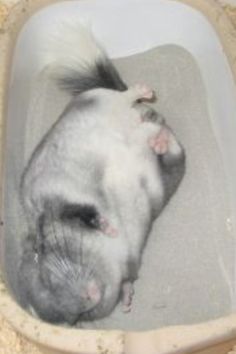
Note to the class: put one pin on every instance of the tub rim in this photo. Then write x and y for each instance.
(165, 340)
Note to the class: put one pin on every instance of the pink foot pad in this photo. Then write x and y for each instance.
(106, 228)
(127, 296)
(93, 292)
(160, 143)
(142, 91)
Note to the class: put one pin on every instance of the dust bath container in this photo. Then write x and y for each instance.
(185, 296)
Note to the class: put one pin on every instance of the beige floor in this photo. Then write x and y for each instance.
(10, 342)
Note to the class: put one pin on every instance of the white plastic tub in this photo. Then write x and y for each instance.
(128, 28)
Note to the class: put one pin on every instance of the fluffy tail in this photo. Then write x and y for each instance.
(77, 61)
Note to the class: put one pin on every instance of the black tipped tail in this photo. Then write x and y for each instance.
(100, 75)
(78, 62)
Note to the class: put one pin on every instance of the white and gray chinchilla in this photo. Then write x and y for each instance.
(92, 187)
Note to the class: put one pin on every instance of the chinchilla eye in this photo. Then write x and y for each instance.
(86, 215)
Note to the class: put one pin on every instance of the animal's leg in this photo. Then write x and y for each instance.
(127, 296)
(139, 92)
(148, 114)
(165, 143)
(171, 157)
(160, 142)
(144, 133)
